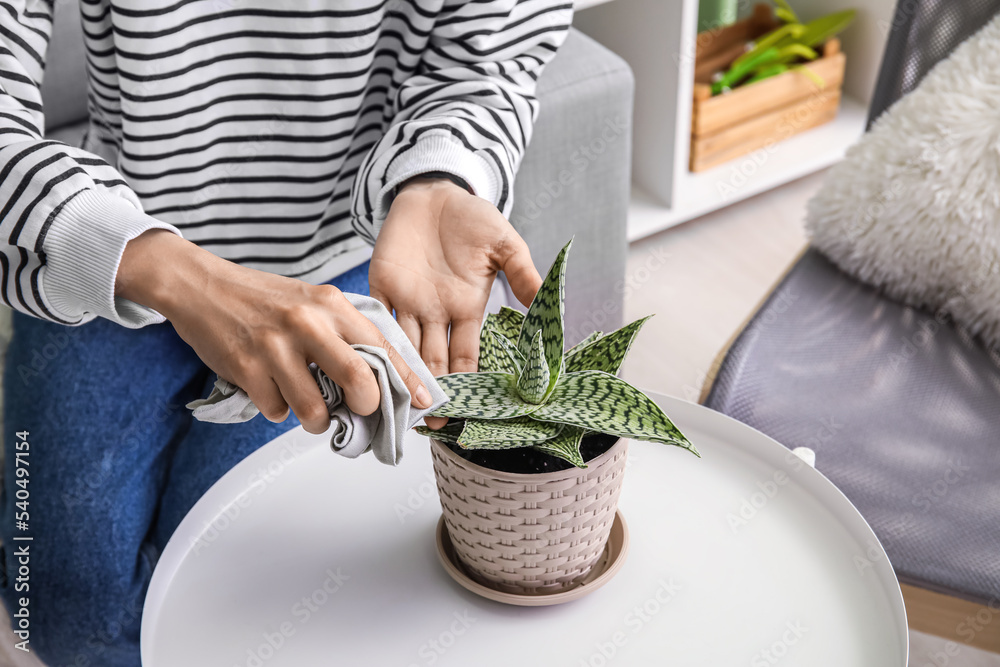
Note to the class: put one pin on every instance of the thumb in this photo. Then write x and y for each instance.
(381, 298)
(522, 276)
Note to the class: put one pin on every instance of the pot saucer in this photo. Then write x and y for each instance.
(606, 567)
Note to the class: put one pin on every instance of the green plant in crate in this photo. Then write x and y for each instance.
(528, 393)
(788, 47)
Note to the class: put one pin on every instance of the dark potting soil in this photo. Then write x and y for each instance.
(528, 460)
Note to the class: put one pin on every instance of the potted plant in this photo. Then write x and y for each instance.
(530, 465)
(762, 80)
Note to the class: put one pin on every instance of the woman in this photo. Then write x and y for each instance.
(240, 158)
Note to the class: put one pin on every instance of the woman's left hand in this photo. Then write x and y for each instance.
(434, 263)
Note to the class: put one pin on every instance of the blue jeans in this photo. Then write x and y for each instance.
(116, 461)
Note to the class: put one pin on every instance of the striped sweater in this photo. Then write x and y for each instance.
(272, 134)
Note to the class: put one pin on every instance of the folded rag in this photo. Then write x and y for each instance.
(383, 430)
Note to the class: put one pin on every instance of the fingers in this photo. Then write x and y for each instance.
(361, 330)
(381, 298)
(299, 389)
(435, 422)
(434, 347)
(464, 346)
(267, 397)
(346, 368)
(411, 327)
(522, 276)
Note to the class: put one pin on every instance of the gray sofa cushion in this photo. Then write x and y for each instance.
(575, 180)
(69, 134)
(902, 410)
(64, 90)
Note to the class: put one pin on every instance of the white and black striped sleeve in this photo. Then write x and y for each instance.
(65, 215)
(469, 108)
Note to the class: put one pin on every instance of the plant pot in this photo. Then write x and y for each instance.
(727, 126)
(529, 533)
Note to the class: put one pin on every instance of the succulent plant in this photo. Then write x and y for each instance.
(528, 393)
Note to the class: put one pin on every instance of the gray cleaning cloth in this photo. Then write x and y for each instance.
(351, 434)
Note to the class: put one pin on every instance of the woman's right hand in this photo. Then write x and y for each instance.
(259, 330)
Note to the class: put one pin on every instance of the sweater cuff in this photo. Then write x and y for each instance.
(437, 152)
(83, 249)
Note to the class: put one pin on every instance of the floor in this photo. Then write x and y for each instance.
(704, 279)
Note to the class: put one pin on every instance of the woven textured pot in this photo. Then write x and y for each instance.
(529, 533)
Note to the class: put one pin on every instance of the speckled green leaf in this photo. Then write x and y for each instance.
(583, 343)
(510, 350)
(497, 444)
(599, 401)
(497, 354)
(508, 322)
(565, 446)
(606, 353)
(482, 395)
(533, 383)
(447, 433)
(489, 361)
(485, 433)
(546, 315)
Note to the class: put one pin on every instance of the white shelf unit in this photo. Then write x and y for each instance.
(657, 38)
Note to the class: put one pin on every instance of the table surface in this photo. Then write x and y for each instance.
(744, 557)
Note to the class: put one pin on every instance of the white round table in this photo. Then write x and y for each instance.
(748, 556)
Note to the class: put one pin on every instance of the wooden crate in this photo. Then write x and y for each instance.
(749, 118)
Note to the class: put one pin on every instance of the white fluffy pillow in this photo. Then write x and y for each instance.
(915, 207)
